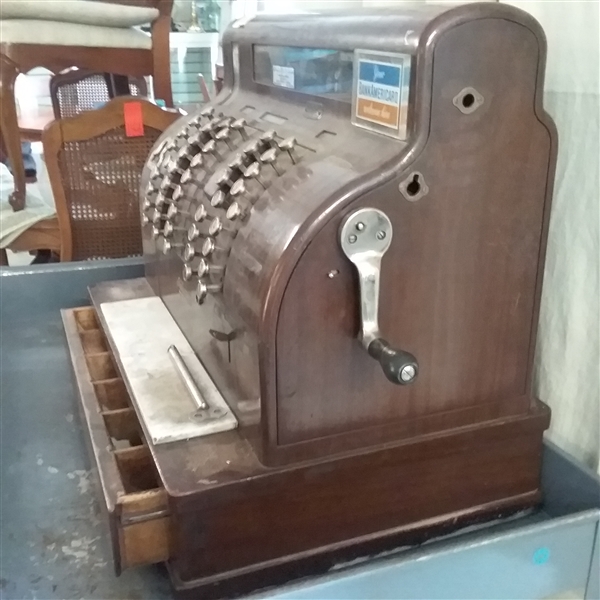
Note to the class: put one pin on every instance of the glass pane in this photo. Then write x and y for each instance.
(319, 72)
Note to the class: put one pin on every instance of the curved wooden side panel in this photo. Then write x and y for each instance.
(460, 283)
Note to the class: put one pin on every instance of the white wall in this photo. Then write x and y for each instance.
(568, 352)
(572, 31)
(308, 5)
(320, 5)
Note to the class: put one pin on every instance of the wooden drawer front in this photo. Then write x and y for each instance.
(136, 505)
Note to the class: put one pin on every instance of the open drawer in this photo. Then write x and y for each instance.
(131, 494)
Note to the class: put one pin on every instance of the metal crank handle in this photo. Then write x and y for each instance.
(365, 237)
(398, 366)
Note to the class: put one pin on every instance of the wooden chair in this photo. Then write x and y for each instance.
(90, 34)
(95, 171)
(76, 90)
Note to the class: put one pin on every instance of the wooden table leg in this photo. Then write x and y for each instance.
(9, 128)
(3, 258)
(161, 61)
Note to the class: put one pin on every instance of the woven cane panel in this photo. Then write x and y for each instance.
(89, 93)
(101, 179)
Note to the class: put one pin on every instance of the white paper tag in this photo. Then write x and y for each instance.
(283, 76)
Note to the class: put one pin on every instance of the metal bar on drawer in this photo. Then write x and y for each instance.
(186, 378)
(143, 518)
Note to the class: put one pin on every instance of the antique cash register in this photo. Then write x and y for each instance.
(331, 353)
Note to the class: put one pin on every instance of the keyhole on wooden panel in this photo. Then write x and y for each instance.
(414, 186)
(468, 100)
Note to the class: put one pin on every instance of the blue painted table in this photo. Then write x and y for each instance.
(54, 544)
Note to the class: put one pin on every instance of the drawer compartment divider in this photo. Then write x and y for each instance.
(131, 495)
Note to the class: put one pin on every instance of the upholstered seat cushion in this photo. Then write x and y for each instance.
(84, 12)
(52, 33)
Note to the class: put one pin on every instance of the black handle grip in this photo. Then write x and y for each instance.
(399, 367)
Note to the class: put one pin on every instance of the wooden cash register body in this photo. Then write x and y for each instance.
(331, 461)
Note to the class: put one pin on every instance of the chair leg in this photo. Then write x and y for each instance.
(9, 127)
(3, 152)
(3, 258)
(161, 59)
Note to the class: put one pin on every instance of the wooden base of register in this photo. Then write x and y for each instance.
(226, 524)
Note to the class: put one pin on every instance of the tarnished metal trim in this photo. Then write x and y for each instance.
(142, 518)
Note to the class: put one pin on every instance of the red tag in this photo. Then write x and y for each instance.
(134, 121)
